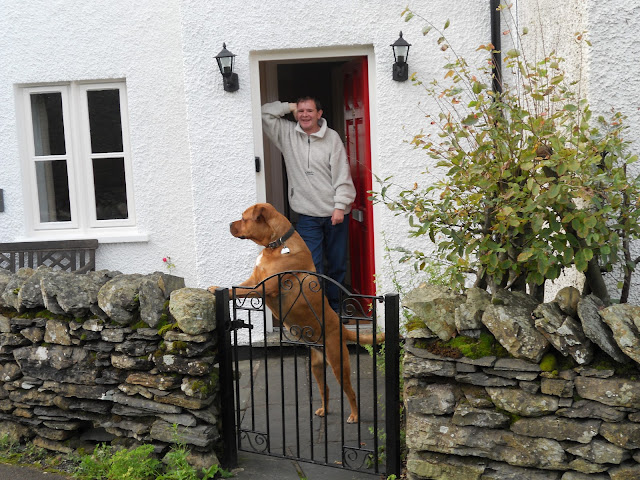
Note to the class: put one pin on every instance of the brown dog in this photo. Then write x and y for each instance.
(300, 304)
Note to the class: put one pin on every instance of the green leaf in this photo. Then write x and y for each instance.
(536, 223)
(446, 24)
(570, 107)
(535, 277)
(580, 261)
(470, 119)
(524, 256)
(557, 79)
(590, 222)
(567, 255)
(426, 29)
(554, 190)
(543, 264)
(526, 166)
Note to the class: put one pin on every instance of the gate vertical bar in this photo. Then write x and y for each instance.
(392, 381)
(225, 358)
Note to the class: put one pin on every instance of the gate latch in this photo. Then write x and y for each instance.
(238, 324)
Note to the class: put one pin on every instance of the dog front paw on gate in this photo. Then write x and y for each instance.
(213, 289)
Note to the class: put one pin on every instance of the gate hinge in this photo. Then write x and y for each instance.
(238, 324)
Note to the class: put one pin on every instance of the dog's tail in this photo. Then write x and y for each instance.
(367, 339)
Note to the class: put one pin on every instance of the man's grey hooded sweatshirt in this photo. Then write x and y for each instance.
(317, 165)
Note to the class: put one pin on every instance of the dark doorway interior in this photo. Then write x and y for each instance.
(341, 85)
(318, 80)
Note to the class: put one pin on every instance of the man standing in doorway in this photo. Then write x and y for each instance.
(321, 190)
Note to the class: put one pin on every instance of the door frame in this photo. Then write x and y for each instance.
(307, 55)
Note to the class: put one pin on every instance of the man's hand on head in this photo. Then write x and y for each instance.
(337, 217)
(294, 109)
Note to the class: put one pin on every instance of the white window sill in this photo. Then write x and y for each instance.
(114, 236)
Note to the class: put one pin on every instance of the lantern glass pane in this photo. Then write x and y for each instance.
(226, 64)
(401, 53)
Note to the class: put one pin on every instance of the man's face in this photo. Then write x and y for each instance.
(308, 116)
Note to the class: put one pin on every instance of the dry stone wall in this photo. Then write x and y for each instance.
(106, 357)
(556, 396)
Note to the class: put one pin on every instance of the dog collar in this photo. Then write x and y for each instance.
(282, 239)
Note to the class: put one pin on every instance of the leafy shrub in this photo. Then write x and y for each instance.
(104, 464)
(531, 183)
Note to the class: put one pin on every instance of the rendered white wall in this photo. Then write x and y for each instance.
(614, 75)
(193, 143)
(609, 71)
(223, 177)
(64, 40)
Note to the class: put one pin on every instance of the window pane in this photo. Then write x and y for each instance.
(48, 127)
(110, 188)
(53, 191)
(104, 120)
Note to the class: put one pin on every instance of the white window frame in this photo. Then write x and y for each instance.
(84, 222)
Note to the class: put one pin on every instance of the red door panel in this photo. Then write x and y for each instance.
(358, 145)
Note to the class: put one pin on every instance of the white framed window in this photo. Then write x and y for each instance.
(77, 163)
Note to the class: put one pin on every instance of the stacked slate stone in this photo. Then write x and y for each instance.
(107, 357)
(558, 400)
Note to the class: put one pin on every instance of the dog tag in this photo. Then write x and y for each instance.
(285, 250)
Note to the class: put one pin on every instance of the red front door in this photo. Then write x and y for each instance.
(358, 145)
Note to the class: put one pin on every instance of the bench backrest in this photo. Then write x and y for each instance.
(69, 255)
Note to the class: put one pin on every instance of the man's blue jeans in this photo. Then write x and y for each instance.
(328, 242)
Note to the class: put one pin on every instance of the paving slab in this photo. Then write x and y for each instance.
(294, 397)
(11, 472)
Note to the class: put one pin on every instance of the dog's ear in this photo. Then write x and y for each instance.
(258, 211)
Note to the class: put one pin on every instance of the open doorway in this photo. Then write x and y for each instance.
(341, 85)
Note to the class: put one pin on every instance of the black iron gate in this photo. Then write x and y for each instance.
(271, 384)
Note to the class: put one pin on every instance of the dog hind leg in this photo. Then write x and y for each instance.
(342, 371)
(318, 369)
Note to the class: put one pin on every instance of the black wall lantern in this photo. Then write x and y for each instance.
(225, 64)
(400, 54)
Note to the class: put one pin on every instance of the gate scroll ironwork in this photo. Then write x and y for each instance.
(270, 409)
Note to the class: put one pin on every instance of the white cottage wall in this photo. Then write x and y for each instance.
(60, 41)
(608, 71)
(193, 144)
(222, 140)
(614, 75)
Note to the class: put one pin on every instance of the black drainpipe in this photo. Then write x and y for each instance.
(496, 54)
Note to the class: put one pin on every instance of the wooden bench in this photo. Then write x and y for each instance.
(69, 255)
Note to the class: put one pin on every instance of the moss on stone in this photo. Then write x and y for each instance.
(513, 417)
(8, 312)
(52, 316)
(139, 324)
(469, 347)
(421, 343)
(158, 353)
(415, 324)
(566, 363)
(549, 363)
(602, 361)
(202, 387)
(178, 347)
(206, 387)
(166, 327)
(474, 348)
